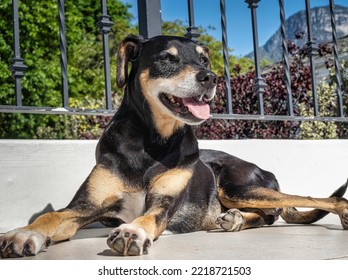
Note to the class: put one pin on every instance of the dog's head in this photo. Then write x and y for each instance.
(173, 74)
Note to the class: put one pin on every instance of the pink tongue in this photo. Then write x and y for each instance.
(199, 110)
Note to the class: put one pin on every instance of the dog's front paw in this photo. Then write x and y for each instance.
(129, 240)
(232, 220)
(22, 242)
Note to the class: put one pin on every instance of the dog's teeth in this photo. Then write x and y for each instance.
(171, 98)
(201, 98)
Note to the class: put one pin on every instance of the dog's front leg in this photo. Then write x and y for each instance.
(97, 195)
(166, 192)
(31, 239)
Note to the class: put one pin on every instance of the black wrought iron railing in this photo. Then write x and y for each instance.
(259, 82)
(149, 19)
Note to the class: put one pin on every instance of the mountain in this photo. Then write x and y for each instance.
(296, 24)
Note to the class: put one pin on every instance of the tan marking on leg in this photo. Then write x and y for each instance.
(105, 187)
(150, 225)
(252, 220)
(57, 225)
(268, 198)
(171, 182)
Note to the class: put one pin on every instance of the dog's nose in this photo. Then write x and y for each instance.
(207, 78)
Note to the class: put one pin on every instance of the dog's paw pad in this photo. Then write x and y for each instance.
(21, 242)
(129, 240)
(232, 220)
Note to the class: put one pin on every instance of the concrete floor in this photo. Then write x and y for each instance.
(324, 240)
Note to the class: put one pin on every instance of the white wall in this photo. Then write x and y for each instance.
(304, 167)
(34, 174)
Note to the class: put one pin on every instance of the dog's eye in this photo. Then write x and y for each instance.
(168, 57)
(203, 60)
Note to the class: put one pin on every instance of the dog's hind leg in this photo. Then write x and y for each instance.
(255, 197)
(236, 220)
(238, 184)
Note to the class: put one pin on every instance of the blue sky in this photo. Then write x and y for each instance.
(207, 13)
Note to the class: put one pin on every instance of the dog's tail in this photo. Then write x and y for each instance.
(293, 216)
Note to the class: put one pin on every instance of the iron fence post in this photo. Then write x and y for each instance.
(104, 25)
(227, 74)
(149, 16)
(63, 53)
(259, 83)
(18, 67)
(286, 64)
(336, 61)
(192, 31)
(312, 50)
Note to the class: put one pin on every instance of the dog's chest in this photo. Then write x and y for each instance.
(133, 206)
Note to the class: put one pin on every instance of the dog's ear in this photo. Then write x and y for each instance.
(128, 51)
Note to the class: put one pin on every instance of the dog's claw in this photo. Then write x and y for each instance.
(2, 245)
(27, 251)
(344, 218)
(22, 242)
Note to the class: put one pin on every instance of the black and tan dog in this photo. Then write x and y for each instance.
(150, 174)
